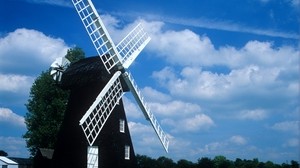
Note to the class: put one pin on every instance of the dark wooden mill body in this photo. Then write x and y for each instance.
(85, 79)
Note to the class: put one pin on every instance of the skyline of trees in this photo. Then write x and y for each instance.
(219, 161)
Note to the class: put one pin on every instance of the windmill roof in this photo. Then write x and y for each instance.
(83, 72)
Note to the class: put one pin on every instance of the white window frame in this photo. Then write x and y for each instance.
(122, 125)
(127, 152)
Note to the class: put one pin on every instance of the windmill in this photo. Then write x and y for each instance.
(116, 60)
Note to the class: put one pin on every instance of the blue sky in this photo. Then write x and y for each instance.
(222, 77)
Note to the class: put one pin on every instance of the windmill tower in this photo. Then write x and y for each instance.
(113, 80)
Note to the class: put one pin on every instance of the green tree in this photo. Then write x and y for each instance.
(205, 162)
(294, 164)
(3, 153)
(144, 161)
(222, 162)
(46, 106)
(164, 162)
(269, 164)
(75, 54)
(182, 163)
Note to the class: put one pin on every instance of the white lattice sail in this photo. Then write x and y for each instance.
(98, 113)
(146, 110)
(130, 47)
(98, 33)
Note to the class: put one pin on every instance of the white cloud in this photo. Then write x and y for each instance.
(139, 128)
(178, 145)
(193, 82)
(15, 83)
(258, 67)
(161, 104)
(132, 110)
(8, 116)
(154, 95)
(29, 51)
(180, 47)
(213, 149)
(257, 114)
(190, 124)
(188, 48)
(237, 139)
(175, 108)
(228, 146)
(200, 121)
(288, 126)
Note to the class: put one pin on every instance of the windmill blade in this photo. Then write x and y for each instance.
(58, 67)
(98, 113)
(98, 33)
(146, 110)
(130, 47)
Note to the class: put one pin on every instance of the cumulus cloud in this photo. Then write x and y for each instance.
(28, 51)
(257, 114)
(131, 108)
(195, 123)
(193, 82)
(258, 69)
(162, 104)
(139, 128)
(175, 108)
(24, 53)
(8, 116)
(15, 83)
(227, 146)
(237, 139)
(185, 47)
(287, 126)
(154, 95)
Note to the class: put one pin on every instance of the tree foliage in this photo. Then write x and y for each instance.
(75, 54)
(3, 153)
(46, 107)
(205, 162)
